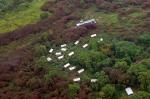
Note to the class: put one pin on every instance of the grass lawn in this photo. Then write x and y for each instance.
(13, 19)
(111, 19)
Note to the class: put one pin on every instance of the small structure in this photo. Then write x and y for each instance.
(91, 21)
(93, 35)
(66, 65)
(85, 45)
(58, 53)
(64, 45)
(101, 39)
(76, 43)
(80, 71)
(71, 53)
(76, 79)
(63, 49)
(72, 68)
(93, 80)
(51, 50)
(129, 91)
(61, 57)
(49, 59)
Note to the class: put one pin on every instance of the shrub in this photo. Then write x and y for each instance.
(40, 50)
(48, 77)
(91, 60)
(44, 15)
(144, 39)
(73, 89)
(109, 91)
(141, 95)
(41, 62)
(121, 65)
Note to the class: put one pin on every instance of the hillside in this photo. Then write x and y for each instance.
(38, 38)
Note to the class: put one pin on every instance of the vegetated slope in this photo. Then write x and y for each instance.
(21, 16)
(123, 56)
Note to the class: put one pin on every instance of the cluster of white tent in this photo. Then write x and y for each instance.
(60, 56)
(68, 66)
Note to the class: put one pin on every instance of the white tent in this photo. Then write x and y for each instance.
(63, 49)
(64, 45)
(51, 50)
(49, 59)
(129, 91)
(93, 80)
(66, 65)
(72, 68)
(58, 53)
(77, 42)
(93, 35)
(85, 45)
(80, 71)
(60, 57)
(76, 79)
(71, 53)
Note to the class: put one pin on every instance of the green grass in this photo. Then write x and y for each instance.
(111, 19)
(101, 17)
(136, 14)
(14, 19)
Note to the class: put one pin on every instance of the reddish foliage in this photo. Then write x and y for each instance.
(48, 6)
(3, 84)
(117, 76)
(135, 2)
(73, 34)
(84, 92)
(146, 4)
(98, 2)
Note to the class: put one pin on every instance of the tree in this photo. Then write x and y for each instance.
(144, 39)
(109, 91)
(91, 60)
(102, 81)
(140, 73)
(4, 5)
(72, 90)
(144, 78)
(141, 95)
(124, 49)
(142, 66)
(121, 65)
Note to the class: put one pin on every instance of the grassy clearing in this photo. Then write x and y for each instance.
(111, 19)
(136, 14)
(101, 17)
(13, 19)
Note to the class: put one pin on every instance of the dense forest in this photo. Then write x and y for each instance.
(117, 57)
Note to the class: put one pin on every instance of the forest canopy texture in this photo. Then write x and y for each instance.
(118, 57)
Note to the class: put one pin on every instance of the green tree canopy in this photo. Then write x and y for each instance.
(125, 49)
(109, 91)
